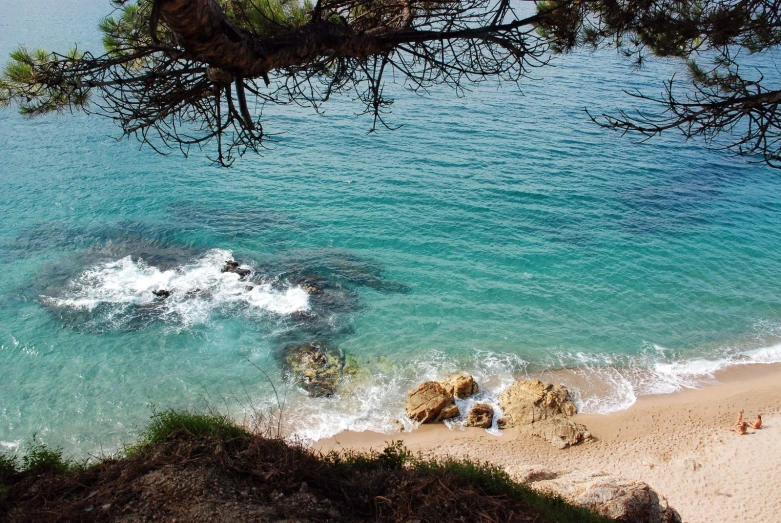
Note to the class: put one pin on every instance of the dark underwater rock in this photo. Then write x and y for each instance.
(317, 366)
(233, 266)
(162, 293)
(311, 288)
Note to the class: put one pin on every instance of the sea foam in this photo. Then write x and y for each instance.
(197, 289)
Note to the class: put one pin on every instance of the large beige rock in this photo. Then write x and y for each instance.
(526, 402)
(430, 402)
(559, 431)
(481, 415)
(613, 497)
(460, 385)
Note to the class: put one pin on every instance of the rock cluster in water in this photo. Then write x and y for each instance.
(537, 408)
(460, 385)
(434, 401)
(234, 267)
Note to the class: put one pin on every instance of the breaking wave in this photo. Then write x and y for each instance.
(123, 289)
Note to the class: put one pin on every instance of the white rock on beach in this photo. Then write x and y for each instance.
(613, 497)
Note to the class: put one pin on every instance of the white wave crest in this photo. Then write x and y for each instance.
(604, 384)
(196, 289)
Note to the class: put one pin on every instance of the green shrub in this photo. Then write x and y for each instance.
(39, 459)
(169, 422)
(495, 481)
(7, 467)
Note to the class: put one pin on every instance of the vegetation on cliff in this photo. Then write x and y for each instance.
(197, 467)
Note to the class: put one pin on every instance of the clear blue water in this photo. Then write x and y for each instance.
(500, 233)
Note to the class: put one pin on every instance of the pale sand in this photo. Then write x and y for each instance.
(739, 478)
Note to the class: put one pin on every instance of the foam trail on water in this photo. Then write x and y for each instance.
(196, 289)
(766, 355)
(10, 445)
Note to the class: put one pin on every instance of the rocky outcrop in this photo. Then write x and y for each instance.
(526, 402)
(460, 385)
(316, 366)
(233, 266)
(430, 402)
(610, 496)
(542, 409)
(162, 293)
(481, 416)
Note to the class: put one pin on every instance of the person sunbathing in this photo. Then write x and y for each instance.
(740, 418)
(756, 423)
(740, 428)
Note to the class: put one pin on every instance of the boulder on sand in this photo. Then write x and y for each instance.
(560, 432)
(481, 415)
(542, 409)
(613, 497)
(430, 402)
(460, 385)
(526, 402)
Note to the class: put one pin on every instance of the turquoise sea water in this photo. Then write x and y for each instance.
(500, 233)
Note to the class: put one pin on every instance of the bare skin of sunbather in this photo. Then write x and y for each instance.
(740, 418)
(756, 423)
(740, 428)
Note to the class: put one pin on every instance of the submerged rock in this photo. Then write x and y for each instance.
(162, 293)
(311, 288)
(613, 497)
(481, 415)
(460, 385)
(318, 367)
(430, 402)
(526, 402)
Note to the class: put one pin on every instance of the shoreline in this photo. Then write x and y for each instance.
(679, 443)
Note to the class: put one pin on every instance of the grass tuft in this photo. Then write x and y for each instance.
(494, 481)
(186, 424)
(40, 459)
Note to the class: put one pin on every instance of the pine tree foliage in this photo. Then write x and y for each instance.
(720, 99)
(196, 73)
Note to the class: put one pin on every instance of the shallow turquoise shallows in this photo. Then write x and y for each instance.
(499, 233)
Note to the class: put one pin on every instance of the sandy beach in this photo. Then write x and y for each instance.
(680, 444)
